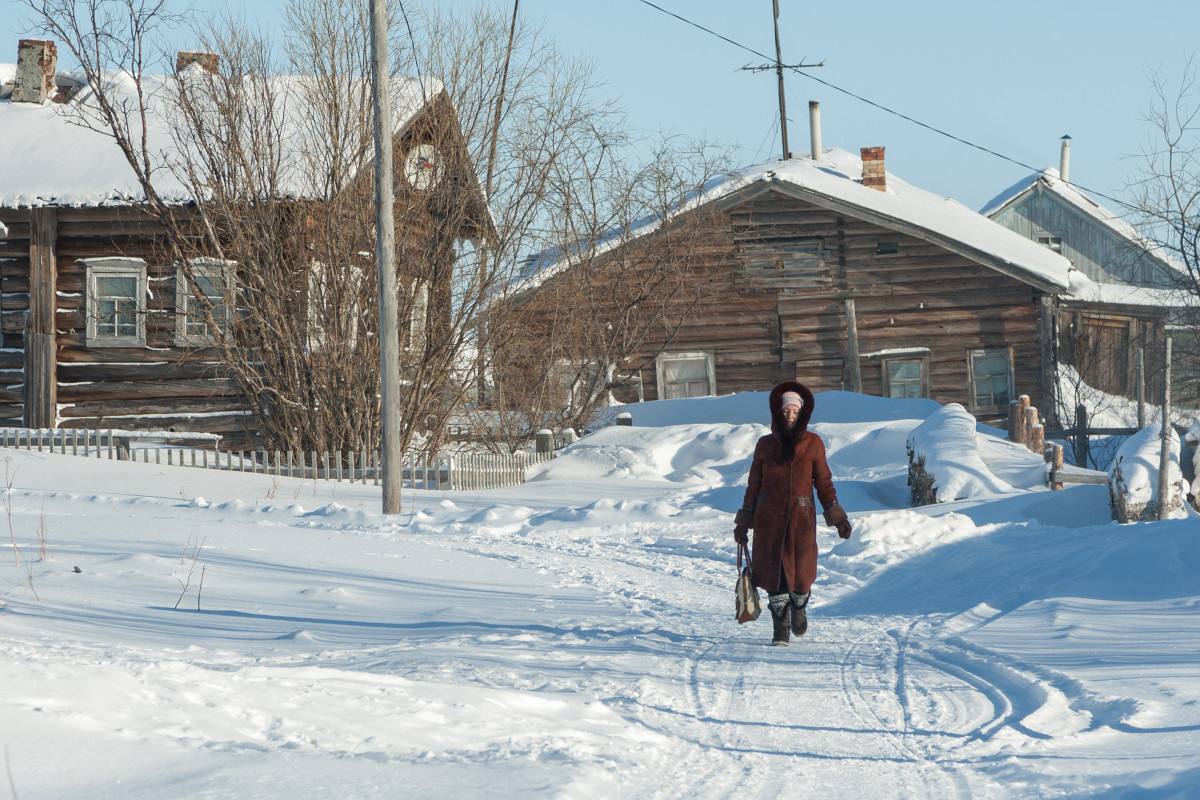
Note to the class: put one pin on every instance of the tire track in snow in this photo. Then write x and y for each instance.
(902, 742)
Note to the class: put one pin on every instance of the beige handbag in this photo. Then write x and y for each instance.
(745, 593)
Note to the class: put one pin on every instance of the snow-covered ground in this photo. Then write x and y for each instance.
(574, 637)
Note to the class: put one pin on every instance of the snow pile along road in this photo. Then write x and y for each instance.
(199, 634)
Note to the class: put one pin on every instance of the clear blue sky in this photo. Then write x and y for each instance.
(1013, 76)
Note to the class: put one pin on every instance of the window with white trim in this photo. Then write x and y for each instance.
(418, 317)
(906, 377)
(991, 380)
(116, 302)
(685, 375)
(333, 305)
(214, 279)
(1053, 242)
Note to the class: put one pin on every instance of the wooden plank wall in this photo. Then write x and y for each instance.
(156, 387)
(764, 326)
(1102, 345)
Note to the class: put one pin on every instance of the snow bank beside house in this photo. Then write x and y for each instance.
(1134, 473)
(677, 453)
(751, 407)
(946, 440)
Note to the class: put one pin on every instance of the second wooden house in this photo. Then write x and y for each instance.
(833, 271)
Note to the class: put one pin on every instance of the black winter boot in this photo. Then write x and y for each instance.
(780, 605)
(799, 602)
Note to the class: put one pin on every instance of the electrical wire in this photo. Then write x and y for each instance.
(880, 106)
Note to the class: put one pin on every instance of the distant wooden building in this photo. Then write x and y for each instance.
(96, 332)
(834, 272)
(1124, 289)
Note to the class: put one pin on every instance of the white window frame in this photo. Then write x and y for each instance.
(972, 399)
(115, 267)
(317, 286)
(920, 356)
(418, 317)
(663, 358)
(1050, 242)
(208, 267)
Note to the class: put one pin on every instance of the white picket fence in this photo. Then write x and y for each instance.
(419, 469)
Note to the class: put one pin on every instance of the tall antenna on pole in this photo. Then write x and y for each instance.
(779, 74)
(779, 67)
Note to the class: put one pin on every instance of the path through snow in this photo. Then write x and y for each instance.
(575, 638)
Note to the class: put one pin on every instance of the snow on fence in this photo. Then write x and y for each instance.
(1133, 482)
(420, 469)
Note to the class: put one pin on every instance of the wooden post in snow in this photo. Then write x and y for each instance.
(852, 346)
(1081, 437)
(1164, 451)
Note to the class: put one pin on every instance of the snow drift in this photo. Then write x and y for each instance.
(946, 441)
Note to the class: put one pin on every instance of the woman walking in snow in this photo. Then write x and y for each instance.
(788, 464)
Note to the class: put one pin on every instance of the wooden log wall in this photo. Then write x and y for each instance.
(156, 387)
(14, 311)
(776, 309)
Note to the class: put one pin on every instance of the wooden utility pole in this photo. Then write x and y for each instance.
(779, 74)
(1164, 450)
(385, 257)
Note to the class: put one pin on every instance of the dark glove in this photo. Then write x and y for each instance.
(843, 529)
(744, 518)
(739, 535)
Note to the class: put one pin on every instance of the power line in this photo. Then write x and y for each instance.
(880, 106)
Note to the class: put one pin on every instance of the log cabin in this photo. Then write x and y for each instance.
(833, 271)
(96, 330)
(1125, 290)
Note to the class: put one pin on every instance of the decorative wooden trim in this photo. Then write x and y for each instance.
(226, 270)
(126, 267)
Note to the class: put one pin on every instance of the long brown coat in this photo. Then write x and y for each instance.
(780, 498)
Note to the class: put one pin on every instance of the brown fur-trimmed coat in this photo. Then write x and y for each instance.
(779, 499)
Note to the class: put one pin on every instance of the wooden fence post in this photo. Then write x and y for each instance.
(1056, 465)
(1141, 387)
(1164, 448)
(1081, 435)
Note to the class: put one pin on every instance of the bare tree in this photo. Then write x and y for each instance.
(625, 265)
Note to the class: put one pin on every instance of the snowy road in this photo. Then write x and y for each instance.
(574, 638)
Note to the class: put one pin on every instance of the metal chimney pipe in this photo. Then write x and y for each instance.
(1064, 160)
(814, 128)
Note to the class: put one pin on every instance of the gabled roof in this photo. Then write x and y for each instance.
(49, 159)
(1049, 180)
(834, 181)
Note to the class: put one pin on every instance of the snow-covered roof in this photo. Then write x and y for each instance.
(1049, 179)
(834, 181)
(1084, 289)
(50, 159)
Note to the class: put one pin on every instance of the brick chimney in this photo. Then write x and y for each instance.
(872, 166)
(185, 58)
(37, 64)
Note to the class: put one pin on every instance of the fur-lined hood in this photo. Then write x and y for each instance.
(779, 426)
(776, 403)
